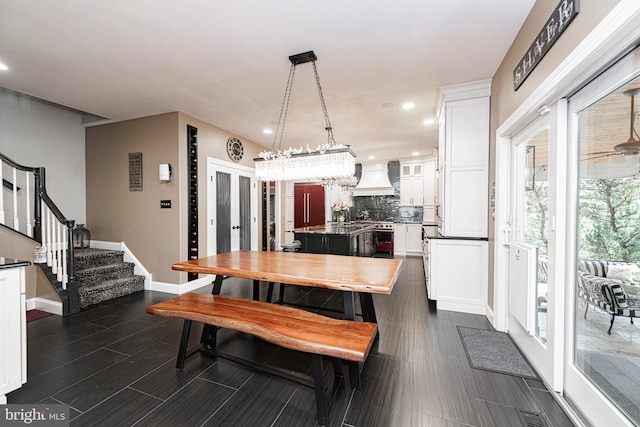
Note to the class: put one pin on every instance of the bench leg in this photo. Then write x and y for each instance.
(281, 293)
(184, 341)
(321, 397)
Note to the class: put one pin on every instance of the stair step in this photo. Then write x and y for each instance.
(88, 258)
(90, 276)
(105, 290)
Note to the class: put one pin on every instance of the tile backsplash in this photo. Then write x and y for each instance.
(384, 208)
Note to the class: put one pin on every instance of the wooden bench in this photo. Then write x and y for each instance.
(288, 327)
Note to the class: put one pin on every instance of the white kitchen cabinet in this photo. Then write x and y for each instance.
(457, 274)
(13, 327)
(411, 183)
(429, 199)
(464, 166)
(407, 239)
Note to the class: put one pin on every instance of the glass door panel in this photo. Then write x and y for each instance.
(536, 220)
(530, 218)
(607, 343)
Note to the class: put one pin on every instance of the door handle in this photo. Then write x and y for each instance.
(304, 208)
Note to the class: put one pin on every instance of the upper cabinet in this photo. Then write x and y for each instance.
(411, 183)
(430, 199)
(464, 154)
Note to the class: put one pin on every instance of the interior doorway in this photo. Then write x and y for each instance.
(232, 200)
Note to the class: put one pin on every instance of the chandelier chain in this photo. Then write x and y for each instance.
(284, 109)
(331, 141)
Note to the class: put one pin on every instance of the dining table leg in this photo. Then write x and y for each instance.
(256, 290)
(209, 333)
(350, 314)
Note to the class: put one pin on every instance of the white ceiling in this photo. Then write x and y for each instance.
(227, 62)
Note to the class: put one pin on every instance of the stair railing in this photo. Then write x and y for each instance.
(41, 220)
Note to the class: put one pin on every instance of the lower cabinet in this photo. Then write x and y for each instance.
(355, 244)
(13, 351)
(457, 274)
(407, 239)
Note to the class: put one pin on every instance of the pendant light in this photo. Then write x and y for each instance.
(329, 163)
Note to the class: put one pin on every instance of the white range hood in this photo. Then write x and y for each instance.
(374, 180)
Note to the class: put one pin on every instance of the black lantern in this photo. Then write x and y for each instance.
(81, 237)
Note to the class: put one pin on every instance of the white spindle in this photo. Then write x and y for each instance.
(16, 222)
(28, 201)
(65, 277)
(2, 196)
(49, 240)
(59, 249)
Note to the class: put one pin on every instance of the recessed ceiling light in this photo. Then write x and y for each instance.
(3, 67)
(408, 106)
(387, 105)
(415, 153)
(267, 131)
(428, 122)
(372, 157)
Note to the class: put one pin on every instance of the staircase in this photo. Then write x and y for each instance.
(102, 275)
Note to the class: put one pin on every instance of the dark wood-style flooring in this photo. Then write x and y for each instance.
(114, 365)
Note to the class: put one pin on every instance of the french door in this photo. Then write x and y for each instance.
(531, 293)
(232, 197)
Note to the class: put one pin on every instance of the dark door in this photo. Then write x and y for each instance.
(308, 203)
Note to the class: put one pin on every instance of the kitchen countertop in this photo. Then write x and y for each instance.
(334, 228)
(440, 236)
(12, 263)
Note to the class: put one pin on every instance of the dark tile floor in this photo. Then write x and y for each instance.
(114, 365)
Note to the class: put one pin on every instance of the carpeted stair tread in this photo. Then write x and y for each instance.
(88, 258)
(109, 289)
(104, 272)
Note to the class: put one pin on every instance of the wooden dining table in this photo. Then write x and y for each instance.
(361, 276)
(352, 276)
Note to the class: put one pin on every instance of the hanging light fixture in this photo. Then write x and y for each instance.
(631, 146)
(328, 163)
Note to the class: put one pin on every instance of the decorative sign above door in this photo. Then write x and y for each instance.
(559, 20)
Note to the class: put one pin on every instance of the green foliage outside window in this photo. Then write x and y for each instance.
(609, 219)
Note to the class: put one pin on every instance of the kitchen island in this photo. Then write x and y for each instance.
(353, 239)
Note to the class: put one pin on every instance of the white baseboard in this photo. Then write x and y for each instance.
(460, 306)
(53, 307)
(172, 288)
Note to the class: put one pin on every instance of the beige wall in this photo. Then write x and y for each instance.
(504, 100)
(14, 245)
(158, 237)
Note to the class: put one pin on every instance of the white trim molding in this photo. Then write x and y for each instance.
(53, 307)
(129, 256)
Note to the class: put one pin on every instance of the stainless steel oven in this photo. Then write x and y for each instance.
(384, 237)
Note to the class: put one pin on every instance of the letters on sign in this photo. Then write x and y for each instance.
(135, 171)
(559, 20)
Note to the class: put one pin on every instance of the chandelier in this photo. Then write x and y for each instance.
(328, 163)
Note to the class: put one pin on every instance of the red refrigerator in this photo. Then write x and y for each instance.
(308, 203)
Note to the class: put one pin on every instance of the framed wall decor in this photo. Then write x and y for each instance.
(135, 171)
